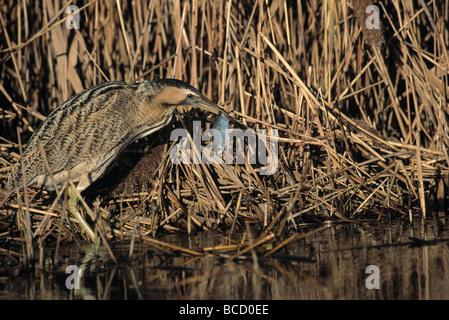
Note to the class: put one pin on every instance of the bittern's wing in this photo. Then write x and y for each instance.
(74, 135)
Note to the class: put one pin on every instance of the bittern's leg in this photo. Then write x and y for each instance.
(72, 202)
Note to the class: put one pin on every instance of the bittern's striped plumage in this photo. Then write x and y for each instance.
(83, 136)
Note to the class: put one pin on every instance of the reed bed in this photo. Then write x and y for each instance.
(362, 114)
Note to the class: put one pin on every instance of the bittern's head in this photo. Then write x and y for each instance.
(158, 99)
(172, 93)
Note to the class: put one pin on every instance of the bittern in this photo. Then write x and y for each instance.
(82, 137)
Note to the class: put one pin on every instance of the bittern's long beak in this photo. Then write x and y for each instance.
(208, 105)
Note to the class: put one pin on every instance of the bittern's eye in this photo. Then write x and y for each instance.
(189, 95)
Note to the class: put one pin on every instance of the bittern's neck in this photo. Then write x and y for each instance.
(151, 122)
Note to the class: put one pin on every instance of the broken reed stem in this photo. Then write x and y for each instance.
(24, 218)
(252, 246)
(293, 238)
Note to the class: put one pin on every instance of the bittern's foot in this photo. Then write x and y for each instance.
(72, 202)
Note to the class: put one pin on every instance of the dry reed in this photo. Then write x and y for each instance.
(362, 114)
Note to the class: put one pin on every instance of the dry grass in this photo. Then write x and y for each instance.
(362, 114)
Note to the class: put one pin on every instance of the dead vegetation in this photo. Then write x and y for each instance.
(362, 114)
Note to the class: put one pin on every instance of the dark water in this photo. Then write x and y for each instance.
(407, 262)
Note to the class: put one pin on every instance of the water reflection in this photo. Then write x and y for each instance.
(330, 264)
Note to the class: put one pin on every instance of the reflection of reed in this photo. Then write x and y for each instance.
(341, 255)
(405, 272)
